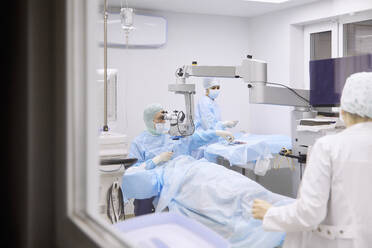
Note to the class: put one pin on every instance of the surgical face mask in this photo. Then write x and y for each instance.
(214, 93)
(161, 128)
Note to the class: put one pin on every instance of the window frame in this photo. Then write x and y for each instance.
(347, 19)
(332, 26)
(336, 26)
(77, 220)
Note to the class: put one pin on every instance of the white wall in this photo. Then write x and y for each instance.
(278, 39)
(217, 40)
(144, 74)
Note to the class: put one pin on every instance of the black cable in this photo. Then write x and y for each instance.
(108, 200)
(191, 120)
(121, 200)
(289, 88)
(110, 205)
(178, 127)
(193, 124)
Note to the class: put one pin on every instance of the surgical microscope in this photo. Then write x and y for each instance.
(254, 74)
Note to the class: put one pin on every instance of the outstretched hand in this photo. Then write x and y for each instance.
(259, 208)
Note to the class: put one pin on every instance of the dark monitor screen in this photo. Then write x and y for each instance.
(328, 76)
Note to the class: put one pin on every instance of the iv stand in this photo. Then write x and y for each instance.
(105, 15)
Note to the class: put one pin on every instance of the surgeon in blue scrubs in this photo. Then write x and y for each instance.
(154, 146)
(207, 112)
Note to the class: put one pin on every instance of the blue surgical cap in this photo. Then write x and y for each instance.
(357, 94)
(149, 114)
(209, 82)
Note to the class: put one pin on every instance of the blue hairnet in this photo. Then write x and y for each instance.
(148, 116)
(209, 82)
(357, 94)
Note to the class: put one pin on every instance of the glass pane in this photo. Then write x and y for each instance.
(358, 38)
(321, 45)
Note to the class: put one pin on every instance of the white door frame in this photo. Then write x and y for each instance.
(317, 28)
(359, 17)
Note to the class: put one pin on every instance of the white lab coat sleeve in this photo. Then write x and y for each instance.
(310, 209)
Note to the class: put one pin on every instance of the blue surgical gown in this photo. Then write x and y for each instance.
(146, 146)
(208, 115)
(211, 194)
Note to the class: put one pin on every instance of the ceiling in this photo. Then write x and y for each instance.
(241, 8)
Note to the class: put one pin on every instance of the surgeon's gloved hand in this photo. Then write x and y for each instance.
(259, 208)
(162, 157)
(228, 136)
(229, 124)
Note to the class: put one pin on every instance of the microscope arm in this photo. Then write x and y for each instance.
(252, 71)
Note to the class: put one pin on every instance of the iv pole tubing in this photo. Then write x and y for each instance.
(105, 126)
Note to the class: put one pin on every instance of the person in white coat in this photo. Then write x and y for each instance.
(334, 205)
